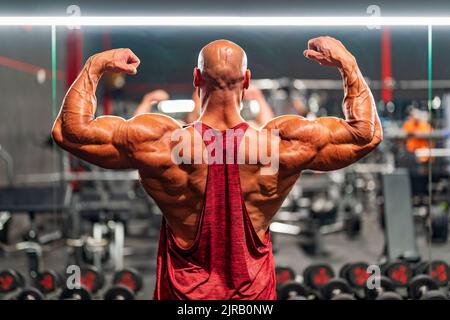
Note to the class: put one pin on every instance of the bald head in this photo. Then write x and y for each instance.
(222, 64)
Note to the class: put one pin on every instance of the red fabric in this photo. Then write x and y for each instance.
(227, 260)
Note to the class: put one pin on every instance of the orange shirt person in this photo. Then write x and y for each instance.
(413, 125)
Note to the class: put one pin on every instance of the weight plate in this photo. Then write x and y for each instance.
(440, 271)
(399, 272)
(30, 294)
(130, 278)
(343, 270)
(92, 279)
(421, 284)
(48, 281)
(317, 275)
(76, 294)
(119, 292)
(357, 274)
(10, 280)
(386, 285)
(284, 274)
(335, 287)
(291, 289)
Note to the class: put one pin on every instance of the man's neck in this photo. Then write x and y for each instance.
(221, 109)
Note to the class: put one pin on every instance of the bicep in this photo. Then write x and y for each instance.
(113, 142)
(95, 142)
(343, 142)
(323, 144)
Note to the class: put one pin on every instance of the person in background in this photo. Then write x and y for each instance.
(417, 123)
(149, 100)
(265, 113)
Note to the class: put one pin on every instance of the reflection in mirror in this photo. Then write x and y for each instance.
(357, 200)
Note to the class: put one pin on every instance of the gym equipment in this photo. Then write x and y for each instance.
(292, 290)
(91, 281)
(337, 289)
(76, 294)
(400, 232)
(10, 281)
(439, 224)
(92, 278)
(317, 275)
(439, 270)
(30, 294)
(34, 200)
(126, 284)
(355, 273)
(386, 286)
(48, 281)
(284, 274)
(424, 287)
(398, 271)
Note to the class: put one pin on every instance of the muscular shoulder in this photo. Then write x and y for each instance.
(143, 129)
(148, 127)
(299, 140)
(293, 127)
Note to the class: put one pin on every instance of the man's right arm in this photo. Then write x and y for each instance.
(107, 141)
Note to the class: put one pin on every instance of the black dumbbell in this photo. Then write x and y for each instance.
(91, 281)
(284, 275)
(337, 289)
(317, 275)
(11, 281)
(424, 287)
(30, 294)
(126, 284)
(48, 282)
(355, 273)
(292, 290)
(399, 272)
(385, 290)
(439, 270)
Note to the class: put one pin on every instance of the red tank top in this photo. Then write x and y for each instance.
(227, 260)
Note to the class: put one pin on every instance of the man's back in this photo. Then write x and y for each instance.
(179, 189)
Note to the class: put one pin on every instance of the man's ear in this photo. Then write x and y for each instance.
(197, 77)
(247, 77)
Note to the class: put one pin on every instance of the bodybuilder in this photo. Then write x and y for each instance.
(215, 241)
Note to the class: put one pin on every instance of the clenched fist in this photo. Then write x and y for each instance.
(328, 51)
(117, 60)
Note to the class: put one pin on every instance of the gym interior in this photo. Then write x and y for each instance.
(385, 215)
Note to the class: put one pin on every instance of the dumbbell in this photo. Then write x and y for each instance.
(30, 294)
(284, 274)
(292, 290)
(399, 272)
(385, 291)
(315, 276)
(424, 287)
(11, 281)
(91, 281)
(355, 273)
(48, 282)
(337, 289)
(439, 270)
(126, 284)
